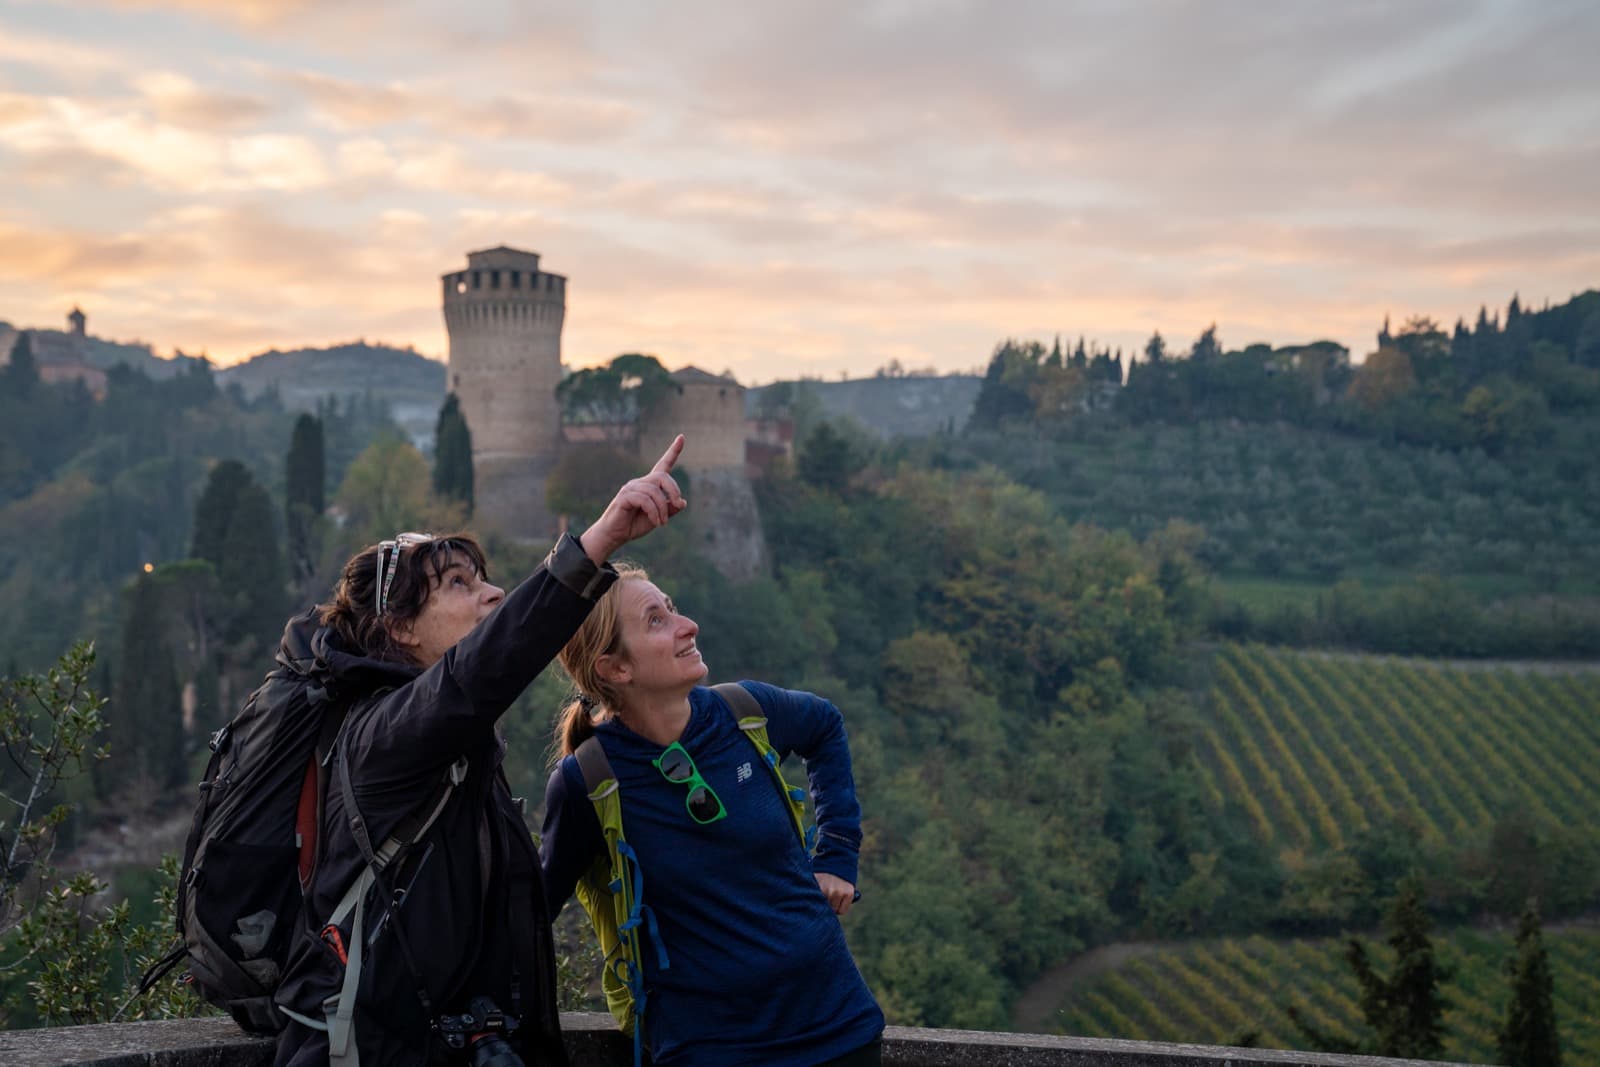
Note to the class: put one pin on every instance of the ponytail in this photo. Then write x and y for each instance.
(574, 726)
(594, 698)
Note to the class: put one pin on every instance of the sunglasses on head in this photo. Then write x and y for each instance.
(389, 562)
(676, 766)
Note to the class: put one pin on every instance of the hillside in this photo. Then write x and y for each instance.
(1215, 991)
(410, 384)
(1314, 750)
(890, 407)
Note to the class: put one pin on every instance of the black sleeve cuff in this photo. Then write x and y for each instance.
(570, 565)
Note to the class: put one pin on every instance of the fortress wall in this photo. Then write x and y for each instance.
(726, 522)
(709, 414)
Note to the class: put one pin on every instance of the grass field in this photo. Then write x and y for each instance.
(1214, 992)
(1313, 748)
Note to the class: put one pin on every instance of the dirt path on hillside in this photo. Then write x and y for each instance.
(1041, 1000)
(1525, 666)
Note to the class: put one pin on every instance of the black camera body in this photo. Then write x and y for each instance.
(481, 1033)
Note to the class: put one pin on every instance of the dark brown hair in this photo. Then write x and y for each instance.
(600, 635)
(353, 611)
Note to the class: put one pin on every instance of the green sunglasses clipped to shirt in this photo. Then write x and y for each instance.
(678, 767)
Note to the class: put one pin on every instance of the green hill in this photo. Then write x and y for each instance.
(1215, 991)
(1314, 749)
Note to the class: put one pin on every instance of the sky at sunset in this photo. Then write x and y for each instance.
(783, 189)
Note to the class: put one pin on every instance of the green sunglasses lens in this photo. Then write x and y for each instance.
(675, 765)
(703, 804)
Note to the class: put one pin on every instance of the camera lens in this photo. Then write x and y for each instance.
(491, 1050)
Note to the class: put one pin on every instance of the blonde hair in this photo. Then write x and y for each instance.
(600, 635)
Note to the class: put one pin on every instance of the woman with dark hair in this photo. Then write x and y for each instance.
(427, 654)
(730, 949)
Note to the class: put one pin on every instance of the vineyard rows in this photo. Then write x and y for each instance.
(1311, 750)
(1214, 992)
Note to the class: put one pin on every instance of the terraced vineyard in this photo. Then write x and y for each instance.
(1313, 748)
(1212, 992)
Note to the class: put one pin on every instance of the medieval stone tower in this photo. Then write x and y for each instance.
(504, 318)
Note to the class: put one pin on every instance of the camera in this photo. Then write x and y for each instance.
(481, 1033)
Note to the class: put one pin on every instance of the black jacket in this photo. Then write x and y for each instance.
(474, 917)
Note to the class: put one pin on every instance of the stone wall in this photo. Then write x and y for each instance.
(708, 411)
(592, 1041)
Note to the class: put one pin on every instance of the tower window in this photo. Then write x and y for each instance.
(494, 279)
(516, 279)
(477, 279)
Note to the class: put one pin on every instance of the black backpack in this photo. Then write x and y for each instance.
(252, 847)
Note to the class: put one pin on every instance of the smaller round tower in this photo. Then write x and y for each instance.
(504, 317)
(708, 409)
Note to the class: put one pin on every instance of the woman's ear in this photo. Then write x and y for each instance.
(614, 669)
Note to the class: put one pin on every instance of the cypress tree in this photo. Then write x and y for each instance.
(304, 496)
(1405, 1010)
(1528, 1038)
(22, 372)
(214, 510)
(146, 716)
(307, 465)
(251, 567)
(452, 454)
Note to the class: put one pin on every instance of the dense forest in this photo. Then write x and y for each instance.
(1030, 625)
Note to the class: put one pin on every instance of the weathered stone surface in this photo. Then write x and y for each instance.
(210, 1042)
(592, 1041)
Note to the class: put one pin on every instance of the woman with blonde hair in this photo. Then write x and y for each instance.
(740, 956)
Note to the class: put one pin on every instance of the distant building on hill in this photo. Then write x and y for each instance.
(60, 357)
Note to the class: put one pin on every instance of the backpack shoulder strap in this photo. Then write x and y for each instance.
(753, 724)
(599, 780)
(744, 705)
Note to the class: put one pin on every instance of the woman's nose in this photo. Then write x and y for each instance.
(688, 626)
(493, 594)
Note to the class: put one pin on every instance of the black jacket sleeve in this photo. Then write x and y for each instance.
(451, 708)
(569, 840)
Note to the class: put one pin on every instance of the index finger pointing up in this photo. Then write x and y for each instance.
(669, 457)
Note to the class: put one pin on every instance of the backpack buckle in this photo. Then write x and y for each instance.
(219, 740)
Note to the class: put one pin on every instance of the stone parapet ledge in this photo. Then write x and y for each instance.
(592, 1041)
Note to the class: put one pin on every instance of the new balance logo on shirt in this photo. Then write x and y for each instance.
(744, 773)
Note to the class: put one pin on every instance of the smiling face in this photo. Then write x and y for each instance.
(656, 653)
(458, 600)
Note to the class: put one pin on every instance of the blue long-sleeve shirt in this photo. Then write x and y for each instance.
(759, 971)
